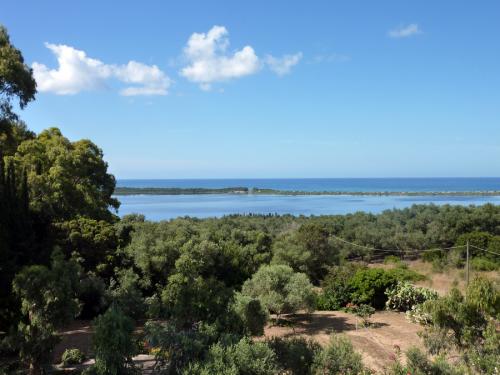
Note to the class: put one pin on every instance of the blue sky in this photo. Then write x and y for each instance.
(199, 89)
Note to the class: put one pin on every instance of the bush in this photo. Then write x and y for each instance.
(402, 273)
(126, 294)
(404, 296)
(245, 358)
(251, 313)
(295, 355)
(431, 256)
(419, 315)
(418, 363)
(72, 357)
(174, 349)
(338, 357)
(113, 342)
(483, 264)
(364, 312)
(280, 290)
(92, 294)
(392, 259)
(369, 285)
(336, 290)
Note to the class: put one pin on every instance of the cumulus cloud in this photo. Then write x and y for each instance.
(405, 31)
(209, 62)
(283, 65)
(77, 72)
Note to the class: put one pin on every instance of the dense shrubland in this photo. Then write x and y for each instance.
(207, 286)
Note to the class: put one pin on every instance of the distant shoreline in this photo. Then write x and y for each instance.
(259, 191)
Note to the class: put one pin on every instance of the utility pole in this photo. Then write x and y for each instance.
(468, 267)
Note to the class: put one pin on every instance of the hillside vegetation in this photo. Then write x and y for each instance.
(204, 289)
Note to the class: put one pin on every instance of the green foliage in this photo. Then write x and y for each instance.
(485, 358)
(392, 259)
(404, 296)
(280, 290)
(338, 357)
(295, 355)
(72, 357)
(113, 342)
(243, 358)
(93, 242)
(484, 264)
(93, 296)
(199, 289)
(126, 294)
(479, 239)
(484, 295)
(336, 290)
(467, 325)
(369, 285)
(47, 302)
(175, 349)
(66, 179)
(308, 250)
(403, 273)
(251, 313)
(16, 78)
(418, 363)
(364, 312)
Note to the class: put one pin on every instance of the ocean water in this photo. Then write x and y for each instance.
(162, 207)
(332, 184)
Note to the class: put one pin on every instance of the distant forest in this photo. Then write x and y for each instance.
(123, 190)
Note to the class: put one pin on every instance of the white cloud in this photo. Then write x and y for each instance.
(150, 80)
(77, 72)
(405, 31)
(208, 61)
(283, 65)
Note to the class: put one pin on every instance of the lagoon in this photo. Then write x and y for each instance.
(163, 207)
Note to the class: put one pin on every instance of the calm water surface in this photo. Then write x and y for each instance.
(161, 207)
(332, 184)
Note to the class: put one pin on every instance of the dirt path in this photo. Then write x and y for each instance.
(79, 335)
(376, 344)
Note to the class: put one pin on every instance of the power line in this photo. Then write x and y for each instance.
(488, 251)
(395, 250)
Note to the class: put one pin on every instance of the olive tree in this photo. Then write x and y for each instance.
(280, 289)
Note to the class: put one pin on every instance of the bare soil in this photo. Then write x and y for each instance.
(389, 332)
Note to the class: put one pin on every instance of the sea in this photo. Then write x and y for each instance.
(164, 207)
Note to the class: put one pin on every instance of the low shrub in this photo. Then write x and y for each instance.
(431, 256)
(483, 264)
(364, 312)
(418, 363)
(244, 357)
(417, 314)
(404, 296)
(295, 355)
(403, 273)
(392, 259)
(338, 357)
(72, 357)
